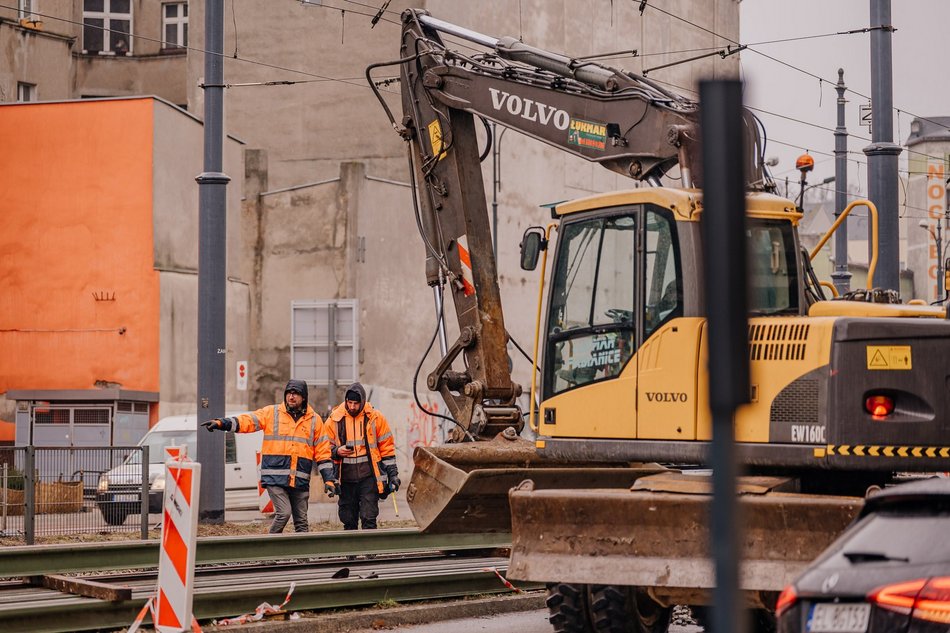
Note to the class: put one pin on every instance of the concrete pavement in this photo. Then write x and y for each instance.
(324, 510)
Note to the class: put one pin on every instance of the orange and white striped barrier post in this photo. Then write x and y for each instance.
(263, 498)
(176, 564)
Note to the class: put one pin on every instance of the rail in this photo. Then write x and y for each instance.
(26, 560)
(410, 566)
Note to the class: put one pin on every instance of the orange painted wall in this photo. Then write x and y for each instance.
(76, 218)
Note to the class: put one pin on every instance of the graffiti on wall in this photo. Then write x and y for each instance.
(424, 429)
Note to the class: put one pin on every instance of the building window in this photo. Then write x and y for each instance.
(175, 25)
(107, 26)
(25, 9)
(324, 347)
(25, 91)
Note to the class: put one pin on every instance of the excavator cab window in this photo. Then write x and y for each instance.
(773, 267)
(592, 323)
(664, 283)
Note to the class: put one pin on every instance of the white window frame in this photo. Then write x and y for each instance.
(26, 9)
(321, 341)
(106, 15)
(25, 92)
(179, 22)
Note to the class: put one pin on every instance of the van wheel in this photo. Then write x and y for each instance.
(567, 608)
(113, 515)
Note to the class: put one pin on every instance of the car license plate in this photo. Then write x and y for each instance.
(125, 498)
(839, 618)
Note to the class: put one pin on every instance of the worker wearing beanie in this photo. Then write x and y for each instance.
(364, 457)
(294, 442)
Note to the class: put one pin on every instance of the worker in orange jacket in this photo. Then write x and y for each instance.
(294, 442)
(364, 456)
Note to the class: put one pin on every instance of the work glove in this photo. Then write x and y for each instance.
(331, 488)
(217, 424)
(394, 483)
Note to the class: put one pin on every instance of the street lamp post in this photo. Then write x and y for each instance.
(826, 181)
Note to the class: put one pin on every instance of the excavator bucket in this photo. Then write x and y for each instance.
(656, 535)
(463, 488)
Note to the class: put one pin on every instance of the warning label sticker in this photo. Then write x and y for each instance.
(436, 139)
(889, 357)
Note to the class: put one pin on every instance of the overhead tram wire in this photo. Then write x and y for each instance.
(195, 49)
(792, 66)
(808, 123)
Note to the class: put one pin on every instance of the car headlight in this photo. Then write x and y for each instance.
(103, 483)
(158, 482)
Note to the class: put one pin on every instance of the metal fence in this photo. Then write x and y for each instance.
(51, 491)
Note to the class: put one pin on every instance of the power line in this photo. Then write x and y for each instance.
(792, 66)
(197, 50)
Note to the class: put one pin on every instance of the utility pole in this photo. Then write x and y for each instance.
(882, 153)
(727, 313)
(212, 271)
(841, 277)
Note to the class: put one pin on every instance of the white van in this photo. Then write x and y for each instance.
(119, 489)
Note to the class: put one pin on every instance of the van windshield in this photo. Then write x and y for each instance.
(157, 442)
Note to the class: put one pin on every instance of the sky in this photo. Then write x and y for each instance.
(921, 88)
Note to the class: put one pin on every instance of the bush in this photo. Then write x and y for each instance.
(15, 478)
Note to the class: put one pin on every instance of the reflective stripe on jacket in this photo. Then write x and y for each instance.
(378, 443)
(290, 448)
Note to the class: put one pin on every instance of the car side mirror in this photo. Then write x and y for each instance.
(532, 243)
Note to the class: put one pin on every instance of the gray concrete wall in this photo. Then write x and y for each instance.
(36, 57)
(105, 76)
(51, 56)
(178, 159)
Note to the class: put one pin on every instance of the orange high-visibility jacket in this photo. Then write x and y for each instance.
(371, 437)
(290, 449)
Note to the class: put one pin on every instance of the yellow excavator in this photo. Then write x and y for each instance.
(607, 501)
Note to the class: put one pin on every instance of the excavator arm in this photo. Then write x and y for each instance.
(625, 122)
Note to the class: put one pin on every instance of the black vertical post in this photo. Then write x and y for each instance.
(29, 496)
(841, 276)
(143, 490)
(882, 153)
(724, 263)
(212, 271)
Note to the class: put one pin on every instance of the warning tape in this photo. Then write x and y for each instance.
(862, 450)
(149, 607)
(146, 608)
(265, 608)
(503, 579)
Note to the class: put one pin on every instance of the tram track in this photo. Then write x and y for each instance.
(409, 566)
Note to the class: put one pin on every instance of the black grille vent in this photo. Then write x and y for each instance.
(797, 403)
(778, 341)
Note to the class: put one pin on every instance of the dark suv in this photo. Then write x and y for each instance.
(889, 571)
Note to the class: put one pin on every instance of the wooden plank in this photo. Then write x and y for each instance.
(83, 587)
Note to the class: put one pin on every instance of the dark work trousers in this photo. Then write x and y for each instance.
(359, 502)
(287, 502)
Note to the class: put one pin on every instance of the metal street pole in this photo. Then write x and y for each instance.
(841, 277)
(882, 153)
(212, 272)
(939, 240)
(724, 257)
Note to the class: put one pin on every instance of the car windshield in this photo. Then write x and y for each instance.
(898, 536)
(157, 442)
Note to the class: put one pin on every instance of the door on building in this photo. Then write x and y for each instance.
(72, 424)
